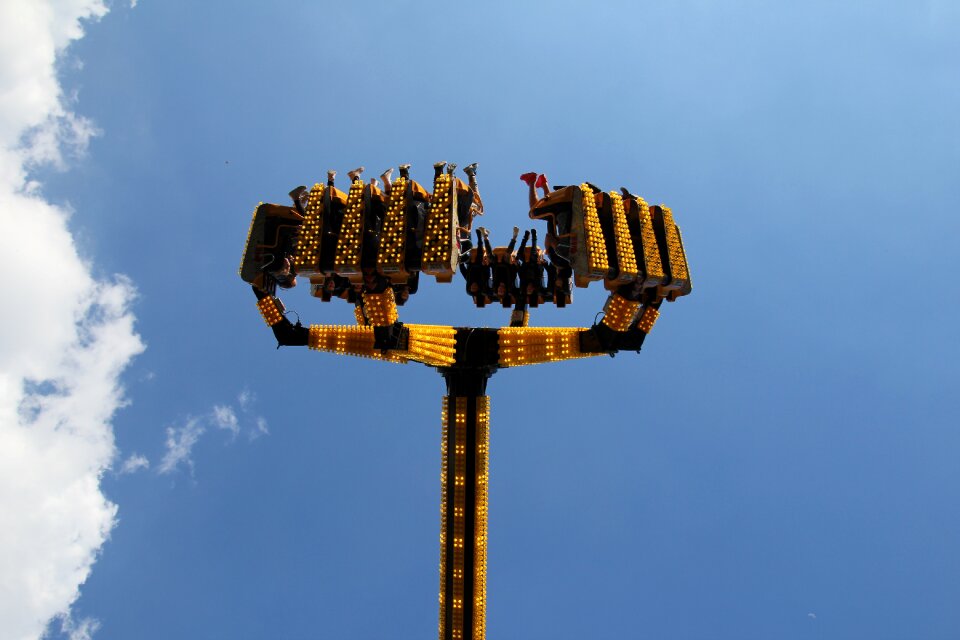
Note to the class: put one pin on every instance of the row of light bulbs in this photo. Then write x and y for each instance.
(625, 257)
(308, 242)
(393, 236)
(351, 230)
(619, 313)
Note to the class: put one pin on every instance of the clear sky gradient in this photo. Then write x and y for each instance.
(780, 461)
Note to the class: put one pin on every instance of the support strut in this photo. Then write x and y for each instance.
(463, 506)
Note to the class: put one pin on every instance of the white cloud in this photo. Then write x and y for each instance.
(180, 443)
(65, 338)
(82, 630)
(225, 418)
(181, 440)
(134, 463)
(245, 399)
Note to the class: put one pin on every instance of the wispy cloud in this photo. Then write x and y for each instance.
(78, 630)
(179, 445)
(134, 462)
(182, 439)
(261, 429)
(245, 399)
(60, 370)
(225, 418)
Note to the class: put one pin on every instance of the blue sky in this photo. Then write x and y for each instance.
(778, 462)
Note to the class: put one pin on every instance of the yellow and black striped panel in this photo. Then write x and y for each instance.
(619, 313)
(459, 514)
(589, 257)
(347, 261)
(649, 252)
(463, 536)
(439, 259)
(444, 448)
(380, 308)
(675, 263)
(626, 261)
(482, 475)
(270, 309)
(306, 260)
(349, 340)
(534, 345)
(393, 235)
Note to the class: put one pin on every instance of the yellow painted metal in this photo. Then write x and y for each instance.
(454, 441)
(653, 274)
(619, 313)
(439, 258)
(534, 345)
(444, 448)
(647, 319)
(433, 345)
(269, 310)
(380, 308)
(393, 236)
(624, 245)
(350, 340)
(676, 263)
(482, 470)
(306, 259)
(593, 252)
(347, 261)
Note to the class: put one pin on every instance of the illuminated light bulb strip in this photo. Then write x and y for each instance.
(307, 256)
(647, 319)
(679, 274)
(482, 466)
(433, 345)
(625, 257)
(652, 268)
(394, 234)
(459, 513)
(351, 340)
(347, 261)
(380, 308)
(619, 313)
(253, 218)
(443, 511)
(269, 310)
(358, 313)
(437, 241)
(596, 246)
(525, 345)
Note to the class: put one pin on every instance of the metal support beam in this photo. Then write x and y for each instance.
(463, 505)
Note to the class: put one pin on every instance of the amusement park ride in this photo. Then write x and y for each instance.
(369, 246)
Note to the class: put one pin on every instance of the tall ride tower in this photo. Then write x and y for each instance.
(369, 246)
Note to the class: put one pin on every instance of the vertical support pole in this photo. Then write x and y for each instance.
(463, 505)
